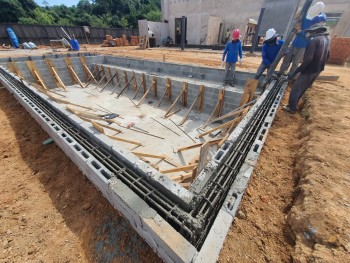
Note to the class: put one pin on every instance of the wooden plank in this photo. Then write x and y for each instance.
(232, 113)
(150, 163)
(180, 178)
(104, 75)
(200, 95)
(68, 62)
(219, 127)
(124, 88)
(73, 75)
(167, 91)
(98, 127)
(184, 90)
(178, 169)
(116, 86)
(91, 115)
(109, 127)
(36, 73)
(149, 155)
(125, 75)
(134, 81)
(143, 79)
(186, 185)
(203, 157)
(124, 140)
(105, 85)
(249, 91)
(12, 66)
(85, 68)
(59, 83)
(67, 102)
(144, 96)
(196, 145)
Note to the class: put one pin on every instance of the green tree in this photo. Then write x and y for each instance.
(154, 15)
(11, 11)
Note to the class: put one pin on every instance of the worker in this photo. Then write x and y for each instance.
(227, 35)
(314, 61)
(297, 49)
(270, 49)
(232, 50)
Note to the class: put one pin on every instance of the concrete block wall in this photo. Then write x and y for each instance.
(232, 95)
(60, 66)
(177, 73)
(196, 72)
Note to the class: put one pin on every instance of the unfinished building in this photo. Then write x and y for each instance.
(207, 21)
(167, 145)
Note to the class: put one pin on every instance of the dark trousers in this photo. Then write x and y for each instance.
(303, 82)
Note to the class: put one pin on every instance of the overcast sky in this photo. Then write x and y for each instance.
(58, 2)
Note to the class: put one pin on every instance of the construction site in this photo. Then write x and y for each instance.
(132, 153)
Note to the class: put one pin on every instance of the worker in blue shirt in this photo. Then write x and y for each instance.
(233, 49)
(297, 49)
(270, 50)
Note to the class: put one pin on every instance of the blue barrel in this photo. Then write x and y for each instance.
(13, 37)
(75, 45)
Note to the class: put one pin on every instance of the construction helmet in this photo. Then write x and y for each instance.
(315, 10)
(271, 33)
(236, 34)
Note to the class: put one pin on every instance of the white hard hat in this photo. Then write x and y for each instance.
(315, 10)
(270, 34)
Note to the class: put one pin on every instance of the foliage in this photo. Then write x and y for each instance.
(97, 13)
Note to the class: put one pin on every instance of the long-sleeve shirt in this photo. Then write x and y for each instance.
(316, 55)
(233, 49)
(300, 40)
(270, 51)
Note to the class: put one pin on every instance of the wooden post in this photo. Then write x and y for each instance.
(249, 91)
(105, 85)
(126, 78)
(154, 85)
(167, 91)
(143, 80)
(184, 94)
(134, 81)
(200, 96)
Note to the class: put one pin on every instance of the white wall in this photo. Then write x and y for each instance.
(234, 12)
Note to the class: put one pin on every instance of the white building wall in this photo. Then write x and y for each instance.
(234, 12)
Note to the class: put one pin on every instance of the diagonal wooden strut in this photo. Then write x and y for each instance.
(200, 98)
(183, 94)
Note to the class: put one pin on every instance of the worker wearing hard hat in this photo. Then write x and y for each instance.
(297, 49)
(270, 49)
(314, 61)
(233, 49)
